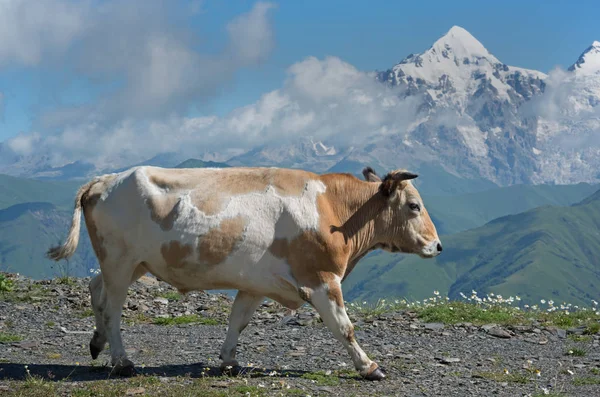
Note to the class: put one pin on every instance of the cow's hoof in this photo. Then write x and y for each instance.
(124, 369)
(94, 351)
(377, 374)
(231, 370)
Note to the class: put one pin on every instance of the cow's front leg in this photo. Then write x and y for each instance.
(327, 299)
(243, 308)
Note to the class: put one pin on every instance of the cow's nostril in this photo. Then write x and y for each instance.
(439, 247)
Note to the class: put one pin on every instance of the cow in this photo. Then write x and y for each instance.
(286, 234)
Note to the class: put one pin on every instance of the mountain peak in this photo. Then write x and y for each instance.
(462, 43)
(589, 61)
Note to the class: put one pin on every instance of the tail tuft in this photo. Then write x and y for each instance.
(67, 249)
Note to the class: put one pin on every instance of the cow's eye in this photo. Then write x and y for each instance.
(414, 206)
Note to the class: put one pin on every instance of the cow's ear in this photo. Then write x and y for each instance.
(370, 175)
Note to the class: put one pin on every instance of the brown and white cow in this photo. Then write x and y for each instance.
(289, 235)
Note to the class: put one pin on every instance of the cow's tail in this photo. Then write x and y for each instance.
(67, 249)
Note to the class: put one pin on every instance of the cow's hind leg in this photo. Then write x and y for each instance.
(244, 306)
(99, 339)
(98, 305)
(116, 277)
(329, 302)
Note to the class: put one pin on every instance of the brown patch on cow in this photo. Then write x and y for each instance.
(229, 180)
(216, 245)
(334, 292)
(233, 180)
(372, 368)
(291, 182)
(349, 334)
(211, 203)
(279, 248)
(163, 210)
(175, 254)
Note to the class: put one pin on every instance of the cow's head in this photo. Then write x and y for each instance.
(406, 224)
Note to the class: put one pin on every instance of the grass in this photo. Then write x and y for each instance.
(580, 338)
(170, 295)
(142, 385)
(502, 377)
(322, 379)
(6, 284)
(490, 309)
(577, 352)
(137, 318)
(592, 329)
(86, 313)
(595, 371)
(8, 338)
(586, 380)
(187, 319)
(457, 312)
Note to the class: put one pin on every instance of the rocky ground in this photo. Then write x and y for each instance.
(45, 327)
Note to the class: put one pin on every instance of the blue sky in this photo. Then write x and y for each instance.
(368, 35)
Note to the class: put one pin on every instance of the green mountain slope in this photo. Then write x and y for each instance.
(15, 190)
(546, 253)
(453, 214)
(27, 230)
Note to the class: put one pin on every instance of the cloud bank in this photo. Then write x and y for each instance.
(158, 70)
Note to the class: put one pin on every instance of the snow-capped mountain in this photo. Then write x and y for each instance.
(483, 118)
(476, 117)
(589, 62)
(305, 152)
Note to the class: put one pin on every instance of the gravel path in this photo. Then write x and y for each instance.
(54, 324)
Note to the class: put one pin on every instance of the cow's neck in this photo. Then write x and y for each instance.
(358, 206)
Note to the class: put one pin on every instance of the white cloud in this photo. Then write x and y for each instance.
(160, 72)
(24, 144)
(144, 49)
(313, 101)
(29, 32)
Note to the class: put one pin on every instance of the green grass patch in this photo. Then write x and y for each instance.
(577, 352)
(144, 386)
(50, 324)
(586, 380)
(457, 312)
(86, 313)
(187, 319)
(321, 379)
(592, 329)
(170, 295)
(6, 284)
(8, 338)
(595, 371)
(580, 338)
(502, 377)
(137, 318)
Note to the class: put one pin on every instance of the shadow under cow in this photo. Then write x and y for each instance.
(60, 372)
